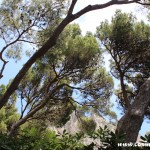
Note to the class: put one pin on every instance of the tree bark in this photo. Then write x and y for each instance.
(123, 88)
(131, 122)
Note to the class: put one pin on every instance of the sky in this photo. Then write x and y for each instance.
(87, 22)
(91, 20)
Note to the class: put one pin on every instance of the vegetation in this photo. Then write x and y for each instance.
(33, 138)
(87, 125)
(127, 41)
(8, 114)
(45, 92)
(63, 63)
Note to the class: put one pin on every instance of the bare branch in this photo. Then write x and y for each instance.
(100, 6)
(145, 4)
(3, 66)
(26, 41)
(72, 7)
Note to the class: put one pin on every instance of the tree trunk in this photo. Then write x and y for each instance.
(131, 122)
(123, 88)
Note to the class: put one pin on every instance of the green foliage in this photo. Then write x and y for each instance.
(146, 138)
(87, 125)
(73, 61)
(2, 90)
(34, 139)
(8, 114)
(72, 31)
(112, 117)
(124, 37)
(72, 67)
(7, 118)
(71, 142)
(108, 139)
(127, 41)
(23, 21)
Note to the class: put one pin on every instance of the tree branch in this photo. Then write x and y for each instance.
(145, 4)
(33, 111)
(100, 6)
(70, 11)
(3, 66)
(50, 43)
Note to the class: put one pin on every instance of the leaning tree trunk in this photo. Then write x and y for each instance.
(131, 122)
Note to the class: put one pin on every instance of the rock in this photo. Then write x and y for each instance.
(72, 127)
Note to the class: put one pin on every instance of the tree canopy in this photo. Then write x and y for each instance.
(46, 91)
(127, 41)
(62, 62)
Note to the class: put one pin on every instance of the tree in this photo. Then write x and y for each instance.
(29, 19)
(46, 91)
(112, 117)
(52, 39)
(127, 41)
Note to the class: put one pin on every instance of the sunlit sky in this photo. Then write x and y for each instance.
(87, 22)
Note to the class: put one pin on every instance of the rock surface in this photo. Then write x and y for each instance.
(72, 126)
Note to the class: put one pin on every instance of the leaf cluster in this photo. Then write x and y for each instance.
(127, 41)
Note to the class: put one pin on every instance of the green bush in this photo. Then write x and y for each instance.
(87, 125)
(33, 139)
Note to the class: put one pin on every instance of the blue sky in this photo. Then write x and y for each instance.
(87, 22)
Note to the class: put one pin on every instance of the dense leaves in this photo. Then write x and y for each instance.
(127, 41)
(46, 92)
(33, 138)
(46, 83)
(87, 125)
